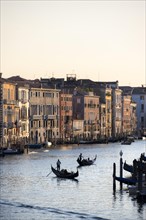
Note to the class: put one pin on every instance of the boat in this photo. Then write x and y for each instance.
(64, 173)
(126, 142)
(39, 146)
(34, 146)
(86, 142)
(131, 138)
(143, 157)
(86, 162)
(11, 151)
(139, 189)
(128, 167)
(128, 181)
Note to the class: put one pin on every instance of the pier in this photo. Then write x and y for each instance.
(137, 181)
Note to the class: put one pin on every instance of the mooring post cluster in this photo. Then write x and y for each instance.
(138, 177)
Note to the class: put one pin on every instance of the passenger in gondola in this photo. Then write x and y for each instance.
(58, 164)
(65, 171)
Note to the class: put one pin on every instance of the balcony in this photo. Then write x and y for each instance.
(23, 101)
(9, 102)
(51, 117)
(36, 117)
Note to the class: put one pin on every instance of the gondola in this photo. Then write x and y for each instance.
(86, 162)
(143, 157)
(128, 181)
(128, 167)
(65, 174)
(126, 142)
(34, 146)
(10, 151)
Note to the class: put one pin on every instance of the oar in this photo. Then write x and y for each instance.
(50, 172)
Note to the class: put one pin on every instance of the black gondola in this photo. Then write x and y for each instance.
(128, 167)
(10, 151)
(126, 142)
(128, 181)
(65, 174)
(86, 162)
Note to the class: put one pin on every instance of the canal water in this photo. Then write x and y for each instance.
(27, 193)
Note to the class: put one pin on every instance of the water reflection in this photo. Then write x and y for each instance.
(68, 181)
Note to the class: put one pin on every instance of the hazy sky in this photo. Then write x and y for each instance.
(99, 40)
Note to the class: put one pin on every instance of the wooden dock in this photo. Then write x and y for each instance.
(137, 182)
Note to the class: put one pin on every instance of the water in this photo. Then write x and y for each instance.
(27, 192)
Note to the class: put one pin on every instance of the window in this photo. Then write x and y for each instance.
(34, 109)
(49, 110)
(142, 107)
(23, 94)
(9, 94)
(78, 100)
(142, 120)
(23, 112)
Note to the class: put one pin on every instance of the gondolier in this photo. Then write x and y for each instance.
(58, 164)
(80, 156)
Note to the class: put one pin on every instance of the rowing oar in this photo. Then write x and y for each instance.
(50, 172)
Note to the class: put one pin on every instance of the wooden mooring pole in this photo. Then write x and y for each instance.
(114, 174)
(140, 172)
(121, 169)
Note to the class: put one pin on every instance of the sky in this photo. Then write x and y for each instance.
(97, 40)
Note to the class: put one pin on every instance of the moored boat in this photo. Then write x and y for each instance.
(64, 173)
(11, 151)
(128, 181)
(34, 146)
(128, 167)
(39, 145)
(86, 162)
(143, 157)
(139, 189)
(126, 142)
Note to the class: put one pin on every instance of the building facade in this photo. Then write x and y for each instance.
(66, 119)
(44, 115)
(139, 97)
(108, 103)
(116, 112)
(23, 102)
(126, 115)
(102, 121)
(10, 114)
(86, 108)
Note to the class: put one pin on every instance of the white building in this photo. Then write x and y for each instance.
(23, 123)
(44, 115)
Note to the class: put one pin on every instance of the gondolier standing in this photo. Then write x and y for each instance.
(80, 157)
(58, 164)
